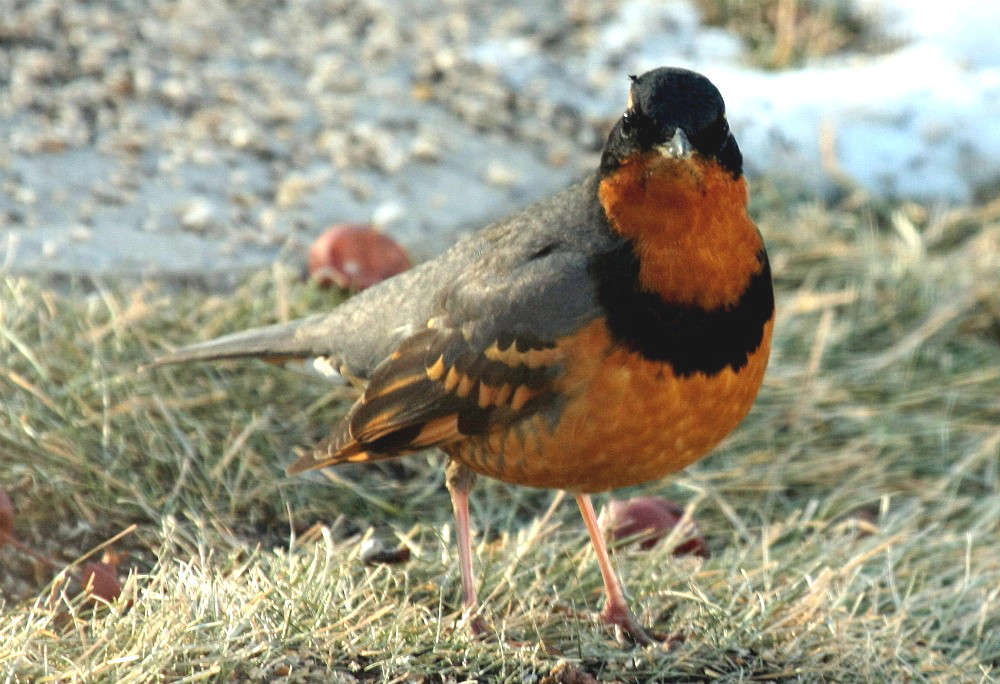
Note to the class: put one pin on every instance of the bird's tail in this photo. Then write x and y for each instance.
(275, 344)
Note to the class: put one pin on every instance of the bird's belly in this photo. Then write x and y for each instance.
(625, 420)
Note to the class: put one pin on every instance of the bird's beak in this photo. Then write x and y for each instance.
(677, 147)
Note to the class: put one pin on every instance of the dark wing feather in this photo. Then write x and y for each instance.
(467, 375)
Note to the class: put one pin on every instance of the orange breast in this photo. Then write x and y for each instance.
(689, 224)
(624, 420)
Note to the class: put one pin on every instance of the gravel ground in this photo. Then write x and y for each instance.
(193, 140)
(188, 140)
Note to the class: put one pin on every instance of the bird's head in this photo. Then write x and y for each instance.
(673, 116)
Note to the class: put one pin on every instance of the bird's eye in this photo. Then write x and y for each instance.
(628, 123)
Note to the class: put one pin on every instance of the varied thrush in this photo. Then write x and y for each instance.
(604, 337)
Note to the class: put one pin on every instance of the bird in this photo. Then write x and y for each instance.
(606, 336)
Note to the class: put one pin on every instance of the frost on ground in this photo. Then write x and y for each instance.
(197, 139)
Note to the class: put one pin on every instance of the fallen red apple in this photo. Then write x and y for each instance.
(374, 552)
(646, 520)
(100, 579)
(6, 518)
(355, 257)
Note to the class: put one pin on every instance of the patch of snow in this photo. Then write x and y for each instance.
(922, 122)
(964, 30)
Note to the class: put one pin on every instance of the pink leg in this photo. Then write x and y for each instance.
(616, 611)
(460, 480)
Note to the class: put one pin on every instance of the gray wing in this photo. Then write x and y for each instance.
(523, 277)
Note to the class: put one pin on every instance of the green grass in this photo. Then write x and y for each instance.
(854, 517)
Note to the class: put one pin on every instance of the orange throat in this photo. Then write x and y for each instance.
(688, 223)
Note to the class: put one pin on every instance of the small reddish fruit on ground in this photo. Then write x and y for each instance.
(101, 580)
(355, 257)
(6, 517)
(648, 519)
(374, 552)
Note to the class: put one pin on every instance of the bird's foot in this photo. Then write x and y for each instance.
(478, 626)
(621, 618)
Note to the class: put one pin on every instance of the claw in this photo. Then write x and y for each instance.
(479, 627)
(622, 619)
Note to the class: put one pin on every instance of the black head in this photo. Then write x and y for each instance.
(678, 112)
